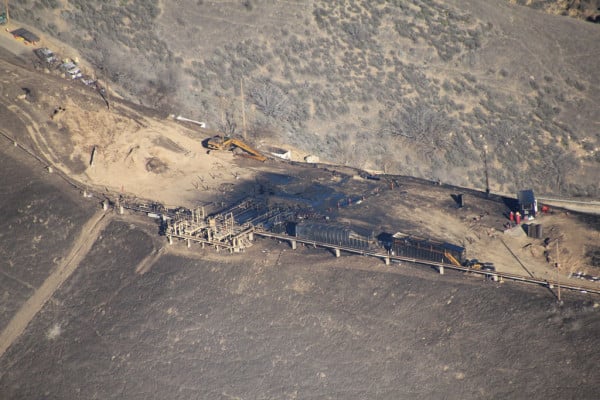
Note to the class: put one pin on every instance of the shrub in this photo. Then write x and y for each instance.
(575, 84)
(534, 85)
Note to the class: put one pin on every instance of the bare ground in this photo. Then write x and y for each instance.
(135, 321)
(141, 154)
(276, 323)
(295, 325)
(57, 277)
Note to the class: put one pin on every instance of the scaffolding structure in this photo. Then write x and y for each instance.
(231, 229)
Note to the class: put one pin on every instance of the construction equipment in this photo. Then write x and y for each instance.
(221, 142)
(452, 259)
(480, 266)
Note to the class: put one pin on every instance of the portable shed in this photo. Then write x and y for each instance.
(27, 36)
(527, 203)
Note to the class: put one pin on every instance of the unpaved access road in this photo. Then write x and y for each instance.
(89, 234)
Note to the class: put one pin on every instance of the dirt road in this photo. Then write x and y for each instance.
(18, 324)
(588, 207)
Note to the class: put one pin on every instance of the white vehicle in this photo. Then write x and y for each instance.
(88, 81)
(71, 70)
(46, 55)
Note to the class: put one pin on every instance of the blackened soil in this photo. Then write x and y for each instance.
(40, 217)
(272, 323)
(193, 328)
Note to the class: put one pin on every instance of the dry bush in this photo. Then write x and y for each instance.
(271, 100)
(330, 62)
(422, 124)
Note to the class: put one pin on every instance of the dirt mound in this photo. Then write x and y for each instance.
(156, 166)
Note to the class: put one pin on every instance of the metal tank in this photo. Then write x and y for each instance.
(339, 235)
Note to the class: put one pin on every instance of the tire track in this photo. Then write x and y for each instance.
(33, 129)
(147, 263)
(89, 233)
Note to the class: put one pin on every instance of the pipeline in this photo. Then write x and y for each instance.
(149, 207)
(500, 275)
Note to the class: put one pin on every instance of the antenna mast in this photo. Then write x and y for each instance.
(243, 108)
(487, 178)
(7, 14)
(557, 270)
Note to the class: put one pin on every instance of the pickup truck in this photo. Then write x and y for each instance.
(46, 55)
(71, 70)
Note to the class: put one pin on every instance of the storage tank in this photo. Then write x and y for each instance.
(331, 233)
(423, 249)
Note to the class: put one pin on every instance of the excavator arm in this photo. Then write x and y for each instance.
(452, 259)
(225, 143)
(252, 152)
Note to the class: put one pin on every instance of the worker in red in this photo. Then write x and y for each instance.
(518, 217)
(511, 216)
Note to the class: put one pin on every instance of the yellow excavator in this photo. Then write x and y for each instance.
(220, 142)
(452, 259)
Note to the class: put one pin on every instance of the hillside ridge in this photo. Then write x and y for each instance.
(417, 87)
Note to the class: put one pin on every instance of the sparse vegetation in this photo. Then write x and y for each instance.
(409, 73)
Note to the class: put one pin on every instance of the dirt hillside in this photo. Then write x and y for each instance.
(98, 304)
(418, 87)
(128, 150)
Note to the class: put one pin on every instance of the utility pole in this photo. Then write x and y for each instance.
(104, 94)
(243, 108)
(557, 270)
(487, 178)
(107, 93)
(222, 110)
(7, 14)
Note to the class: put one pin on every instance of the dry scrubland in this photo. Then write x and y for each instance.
(139, 319)
(270, 323)
(416, 87)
